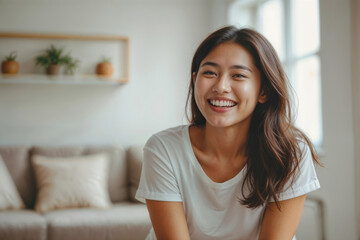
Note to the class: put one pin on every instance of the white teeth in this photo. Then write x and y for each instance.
(222, 103)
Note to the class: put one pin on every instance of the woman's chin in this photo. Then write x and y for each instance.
(222, 122)
(219, 124)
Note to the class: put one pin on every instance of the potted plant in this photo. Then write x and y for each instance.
(105, 68)
(72, 65)
(9, 65)
(54, 58)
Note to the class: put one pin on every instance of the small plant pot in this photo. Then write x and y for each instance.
(104, 69)
(9, 67)
(53, 69)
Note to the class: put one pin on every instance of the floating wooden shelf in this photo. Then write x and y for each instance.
(61, 79)
(39, 78)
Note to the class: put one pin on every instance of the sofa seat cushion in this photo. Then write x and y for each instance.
(125, 220)
(22, 225)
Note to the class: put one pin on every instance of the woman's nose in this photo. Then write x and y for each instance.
(222, 84)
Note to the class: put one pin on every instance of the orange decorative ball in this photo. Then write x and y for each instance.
(105, 69)
(9, 67)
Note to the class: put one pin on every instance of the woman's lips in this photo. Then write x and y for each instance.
(221, 106)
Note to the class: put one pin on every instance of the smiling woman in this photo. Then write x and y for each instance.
(241, 169)
(228, 75)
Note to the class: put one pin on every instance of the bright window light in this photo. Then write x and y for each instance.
(271, 24)
(306, 40)
(307, 87)
(292, 27)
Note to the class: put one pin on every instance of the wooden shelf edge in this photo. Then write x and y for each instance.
(63, 36)
(60, 79)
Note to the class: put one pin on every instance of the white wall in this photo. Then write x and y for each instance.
(338, 177)
(355, 29)
(163, 34)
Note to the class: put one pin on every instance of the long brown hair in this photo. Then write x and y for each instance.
(274, 150)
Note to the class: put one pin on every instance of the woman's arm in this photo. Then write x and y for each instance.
(168, 220)
(282, 225)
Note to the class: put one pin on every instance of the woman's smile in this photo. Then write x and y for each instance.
(221, 105)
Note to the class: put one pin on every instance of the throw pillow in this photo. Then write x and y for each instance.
(9, 195)
(73, 182)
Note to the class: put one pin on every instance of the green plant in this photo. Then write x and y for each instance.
(71, 65)
(106, 59)
(55, 56)
(11, 57)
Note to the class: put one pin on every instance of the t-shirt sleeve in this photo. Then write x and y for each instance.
(305, 178)
(157, 181)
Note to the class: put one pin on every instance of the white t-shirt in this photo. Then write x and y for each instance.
(171, 172)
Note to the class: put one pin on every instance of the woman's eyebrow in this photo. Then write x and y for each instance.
(241, 67)
(232, 67)
(210, 64)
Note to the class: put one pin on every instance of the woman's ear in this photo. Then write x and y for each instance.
(193, 77)
(263, 97)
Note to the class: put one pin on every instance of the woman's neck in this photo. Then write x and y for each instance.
(224, 144)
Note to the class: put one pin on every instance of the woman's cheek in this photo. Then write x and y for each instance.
(245, 90)
(200, 87)
(198, 94)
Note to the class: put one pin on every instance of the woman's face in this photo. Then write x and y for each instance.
(227, 86)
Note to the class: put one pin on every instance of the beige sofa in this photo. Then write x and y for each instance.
(125, 219)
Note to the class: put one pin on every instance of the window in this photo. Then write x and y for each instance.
(292, 27)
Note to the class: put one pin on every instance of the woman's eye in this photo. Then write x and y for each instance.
(239, 76)
(209, 73)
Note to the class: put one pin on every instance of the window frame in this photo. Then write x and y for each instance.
(290, 59)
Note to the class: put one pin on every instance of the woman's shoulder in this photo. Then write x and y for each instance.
(304, 146)
(171, 132)
(170, 137)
